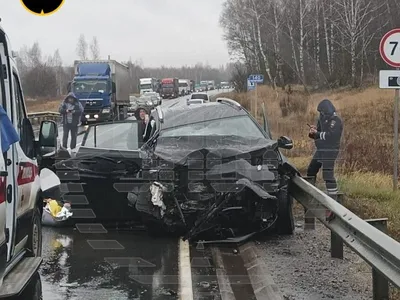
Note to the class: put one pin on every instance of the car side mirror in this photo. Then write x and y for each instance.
(69, 86)
(285, 142)
(48, 137)
(114, 88)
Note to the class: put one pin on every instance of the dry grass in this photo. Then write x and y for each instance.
(367, 115)
(42, 105)
(366, 159)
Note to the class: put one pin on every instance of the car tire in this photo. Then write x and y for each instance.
(285, 223)
(33, 291)
(34, 245)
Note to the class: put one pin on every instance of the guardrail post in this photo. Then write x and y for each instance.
(336, 241)
(309, 219)
(380, 285)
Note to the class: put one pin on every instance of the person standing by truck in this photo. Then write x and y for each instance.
(71, 110)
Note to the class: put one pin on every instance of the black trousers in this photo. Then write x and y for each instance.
(325, 159)
(67, 128)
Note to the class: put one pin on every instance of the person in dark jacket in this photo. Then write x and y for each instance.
(327, 135)
(140, 115)
(71, 110)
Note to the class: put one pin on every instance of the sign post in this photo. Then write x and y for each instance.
(252, 82)
(389, 49)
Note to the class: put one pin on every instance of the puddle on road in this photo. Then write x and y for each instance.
(89, 266)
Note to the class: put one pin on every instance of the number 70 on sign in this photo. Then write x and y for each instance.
(389, 48)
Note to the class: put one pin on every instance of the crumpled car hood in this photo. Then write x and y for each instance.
(180, 150)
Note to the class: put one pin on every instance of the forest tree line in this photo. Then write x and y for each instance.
(46, 76)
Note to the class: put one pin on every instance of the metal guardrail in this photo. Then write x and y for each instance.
(374, 246)
(37, 117)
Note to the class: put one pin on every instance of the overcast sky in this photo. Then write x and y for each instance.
(159, 32)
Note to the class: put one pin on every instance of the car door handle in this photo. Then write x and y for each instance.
(9, 193)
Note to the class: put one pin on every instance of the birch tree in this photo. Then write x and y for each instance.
(82, 47)
(95, 48)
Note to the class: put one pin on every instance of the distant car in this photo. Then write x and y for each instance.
(202, 96)
(154, 95)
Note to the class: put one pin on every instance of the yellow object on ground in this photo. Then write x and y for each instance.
(54, 207)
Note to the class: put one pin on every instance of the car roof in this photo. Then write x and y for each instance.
(178, 113)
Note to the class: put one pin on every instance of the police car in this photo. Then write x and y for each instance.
(21, 202)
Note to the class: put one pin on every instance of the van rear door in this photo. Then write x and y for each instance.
(4, 234)
(10, 156)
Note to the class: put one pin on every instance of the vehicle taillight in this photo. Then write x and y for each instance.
(3, 182)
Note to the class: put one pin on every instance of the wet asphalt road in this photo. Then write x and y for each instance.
(129, 266)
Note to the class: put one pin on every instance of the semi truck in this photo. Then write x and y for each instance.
(103, 88)
(211, 85)
(169, 88)
(147, 85)
(204, 85)
(184, 86)
(225, 85)
(192, 86)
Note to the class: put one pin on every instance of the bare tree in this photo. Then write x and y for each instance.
(58, 68)
(353, 19)
(95, 48)
(313, 42)
(82, 47)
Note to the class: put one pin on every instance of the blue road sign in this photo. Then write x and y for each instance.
(251, 85)
(258, 78)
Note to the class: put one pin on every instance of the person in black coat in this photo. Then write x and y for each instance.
(146, 123)
(327, 135)
(71, 111)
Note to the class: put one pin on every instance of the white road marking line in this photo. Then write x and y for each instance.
(185, 271)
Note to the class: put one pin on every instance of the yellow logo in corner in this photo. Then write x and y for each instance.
(42, 7)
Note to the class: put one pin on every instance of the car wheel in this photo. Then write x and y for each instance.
(285, 223)
(34, 245)
(33, 290)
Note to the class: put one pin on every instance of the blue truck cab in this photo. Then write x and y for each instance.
(103, 88)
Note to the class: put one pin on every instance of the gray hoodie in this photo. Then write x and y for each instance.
(76, 109)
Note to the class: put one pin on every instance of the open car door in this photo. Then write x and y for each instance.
(48, 144)
(266, 125)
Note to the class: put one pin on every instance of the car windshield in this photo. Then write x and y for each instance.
(167, 85)
(183, 84)
(90, 86)
(113, 136)
(145, 86)
(200, 96)
(241, 126)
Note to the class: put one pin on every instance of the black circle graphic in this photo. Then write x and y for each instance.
(42, 6)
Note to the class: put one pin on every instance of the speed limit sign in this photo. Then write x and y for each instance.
(389, 48)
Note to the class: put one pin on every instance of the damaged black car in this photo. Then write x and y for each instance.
(208, 172)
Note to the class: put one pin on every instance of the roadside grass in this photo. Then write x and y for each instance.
(365, 163)
(42, 105)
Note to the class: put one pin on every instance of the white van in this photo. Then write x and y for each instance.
(21, 204)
